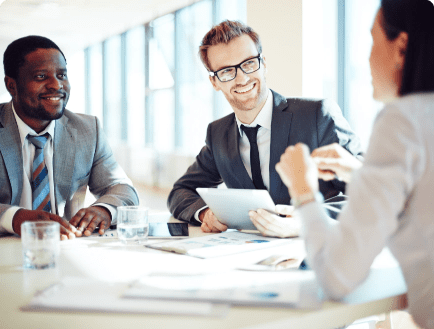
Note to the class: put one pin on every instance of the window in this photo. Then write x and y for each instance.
(194, 91)
(135, 85)
(152, 93)
(361, 109)
(113, 114)
(76, 77)
(94, 97)
(161, 92)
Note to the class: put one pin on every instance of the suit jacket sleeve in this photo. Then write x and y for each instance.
(107, 181)
(333, 128)
(183, 201)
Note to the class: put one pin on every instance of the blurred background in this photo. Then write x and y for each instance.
(134, 64)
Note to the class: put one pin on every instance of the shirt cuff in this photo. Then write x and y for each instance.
(6, 220)
(196, 214)
(313, 217)
(113, 211)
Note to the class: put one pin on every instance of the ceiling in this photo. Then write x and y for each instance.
(75, 24)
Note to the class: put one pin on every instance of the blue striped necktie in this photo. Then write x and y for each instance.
(40, 184)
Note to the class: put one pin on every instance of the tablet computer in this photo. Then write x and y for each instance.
(232, 206)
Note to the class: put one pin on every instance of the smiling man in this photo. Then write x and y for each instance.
(49, 155)
(243, 148)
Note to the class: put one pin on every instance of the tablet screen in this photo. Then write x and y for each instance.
(232, 206)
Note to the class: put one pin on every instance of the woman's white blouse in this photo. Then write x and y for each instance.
(391, 203)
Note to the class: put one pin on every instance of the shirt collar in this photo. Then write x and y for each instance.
(263, 118)
(24, 129)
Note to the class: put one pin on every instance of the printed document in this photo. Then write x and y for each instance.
(221, 244)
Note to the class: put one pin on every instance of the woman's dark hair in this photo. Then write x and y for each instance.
(416, 18)
(15, 53)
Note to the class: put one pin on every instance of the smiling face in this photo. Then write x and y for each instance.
(246, 93)
(41, 91)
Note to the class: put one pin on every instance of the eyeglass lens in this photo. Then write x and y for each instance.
(229, 73)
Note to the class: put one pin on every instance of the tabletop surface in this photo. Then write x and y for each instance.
(107, 260)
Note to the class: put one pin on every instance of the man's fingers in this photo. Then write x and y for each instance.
(102, 227)
(208, 226)
(261, 224)
(92, 226)
(77, 217)
(269, 221)
(205, 228)
(65, 227)
(220, 227)
(211, 224)
(84, 223)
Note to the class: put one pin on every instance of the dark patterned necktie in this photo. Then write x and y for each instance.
(251, 134)
(40, 184)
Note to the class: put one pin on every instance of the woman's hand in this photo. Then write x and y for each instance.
(298, 171)
(335, 161)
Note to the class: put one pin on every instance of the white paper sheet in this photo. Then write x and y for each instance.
(222, 244)
(234, 287)
(88, 295)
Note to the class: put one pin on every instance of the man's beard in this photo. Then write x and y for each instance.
(251, 103)
(40, 113)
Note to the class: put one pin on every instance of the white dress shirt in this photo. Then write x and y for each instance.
(263, 140)
(390, 204)
(28, 150)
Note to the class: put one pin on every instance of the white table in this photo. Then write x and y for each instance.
(382, 292)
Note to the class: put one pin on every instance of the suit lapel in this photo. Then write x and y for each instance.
(280, 127)
(11, 151)
(63, 161)
(238, 168)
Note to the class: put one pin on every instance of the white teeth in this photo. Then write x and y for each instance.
(244, 90)
(53, 98)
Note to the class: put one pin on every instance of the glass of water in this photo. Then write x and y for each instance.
(132, 225)
(41, 244)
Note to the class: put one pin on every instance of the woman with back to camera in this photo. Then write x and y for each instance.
(391, 194)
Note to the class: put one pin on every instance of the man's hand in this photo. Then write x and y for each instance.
(333, 160)
(87, 219)
(23, 215)
(273, 225)
(298, 171)
(210, 223)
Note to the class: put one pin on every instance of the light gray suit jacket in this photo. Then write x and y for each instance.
(81, 158)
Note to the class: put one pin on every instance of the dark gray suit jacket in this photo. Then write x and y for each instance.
(81, 158)
(312, 122)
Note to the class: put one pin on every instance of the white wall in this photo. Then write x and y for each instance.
(279, 24)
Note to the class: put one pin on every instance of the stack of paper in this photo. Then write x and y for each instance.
(88, 295)
(222, 244)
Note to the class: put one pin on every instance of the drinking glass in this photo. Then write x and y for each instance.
(132, 225)
(41, 244)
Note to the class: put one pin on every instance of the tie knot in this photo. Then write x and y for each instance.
(251, 132)
(38, 141)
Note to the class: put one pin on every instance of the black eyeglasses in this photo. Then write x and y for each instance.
(229, 73)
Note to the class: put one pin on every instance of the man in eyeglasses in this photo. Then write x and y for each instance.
(243, 148)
